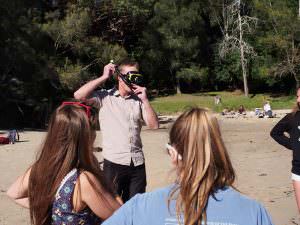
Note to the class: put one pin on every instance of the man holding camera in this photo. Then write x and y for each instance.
(122, 110)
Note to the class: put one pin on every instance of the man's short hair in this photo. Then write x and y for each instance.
(128, 62)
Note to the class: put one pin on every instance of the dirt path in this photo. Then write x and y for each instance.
(262, 167)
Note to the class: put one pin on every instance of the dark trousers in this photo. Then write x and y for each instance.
(126, 180)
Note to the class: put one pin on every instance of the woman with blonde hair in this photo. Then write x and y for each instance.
(291, 124)
(203, 192)
(65, 184)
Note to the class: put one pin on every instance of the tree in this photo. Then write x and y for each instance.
(235, 26)
(179, 28)
(28, 84)
(282, 36)
(80, 53)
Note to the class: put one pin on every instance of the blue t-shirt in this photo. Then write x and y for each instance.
(227, 207)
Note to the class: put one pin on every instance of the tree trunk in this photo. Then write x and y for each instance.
(243, 60)
(178, 91)
(175, 82)
(299, 9)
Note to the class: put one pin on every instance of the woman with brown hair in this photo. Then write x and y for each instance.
(65, 184)
(203, 192)
(291, 124)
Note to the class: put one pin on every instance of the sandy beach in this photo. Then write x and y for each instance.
(262, 166)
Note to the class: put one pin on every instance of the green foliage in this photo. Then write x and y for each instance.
(26, 79)
(176, 38)
(228, 70)
(72, 29)
(79, 54)
(95, 48)
(179, 24)
(136, 8)
(49, 48)
(279, 36)
(193, 73)
(71, 76)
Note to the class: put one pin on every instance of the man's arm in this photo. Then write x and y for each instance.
(149, 115)
(86, 90)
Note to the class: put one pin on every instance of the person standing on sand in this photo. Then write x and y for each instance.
(291, 124)
(203, 191)
(65, 185)
(13, 136)
(122, 112)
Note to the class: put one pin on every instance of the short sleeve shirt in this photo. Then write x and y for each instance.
(226, 207)
(267, 107)
(121, 120)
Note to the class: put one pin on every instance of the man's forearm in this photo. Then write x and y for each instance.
(85, 91)
(151, 117)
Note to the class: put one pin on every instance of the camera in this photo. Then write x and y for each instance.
(131, 77)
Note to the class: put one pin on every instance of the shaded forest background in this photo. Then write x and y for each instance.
(48, 48)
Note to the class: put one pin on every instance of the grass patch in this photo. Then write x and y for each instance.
(178, 103)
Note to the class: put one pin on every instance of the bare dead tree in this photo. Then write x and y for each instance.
(290, 65)
(234, 29)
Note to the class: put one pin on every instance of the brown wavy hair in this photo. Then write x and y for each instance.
(68, 144)
(205, 166)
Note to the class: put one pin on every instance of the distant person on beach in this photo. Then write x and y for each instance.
(65, 184)
(218, 100)
(13, 136)
(268, 110)
(122, 112)
(257, 111)
(290, 124)
(225, 111)
(203, 191)
(242, 110)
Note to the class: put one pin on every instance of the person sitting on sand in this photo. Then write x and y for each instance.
(257, 111)
(65, 184)
(203, 192)
(242, 110)
(267, 110)
(225, 111)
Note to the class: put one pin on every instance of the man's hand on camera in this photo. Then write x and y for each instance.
(108, 70)
(141, 92)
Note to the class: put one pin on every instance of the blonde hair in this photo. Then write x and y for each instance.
(205, 166)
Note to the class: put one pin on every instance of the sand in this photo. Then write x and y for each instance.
(262, 166)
